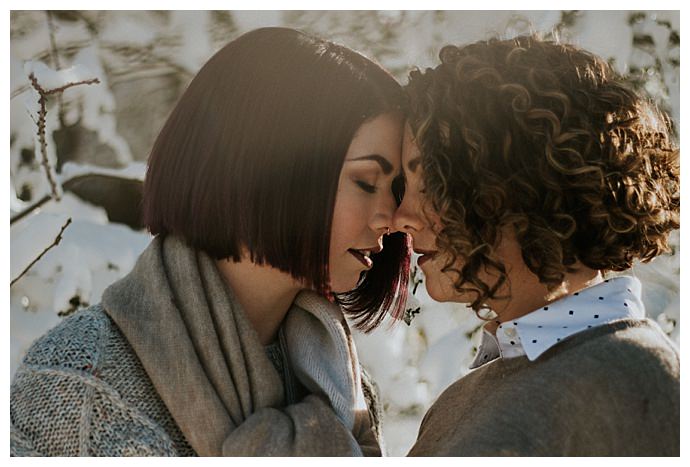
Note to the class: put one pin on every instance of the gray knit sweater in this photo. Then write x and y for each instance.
(81, 390)
(609, 391)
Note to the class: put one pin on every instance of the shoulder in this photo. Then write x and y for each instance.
(71, 394)
(76, 343)
(621, 358)
(566, 401)
(629, 351)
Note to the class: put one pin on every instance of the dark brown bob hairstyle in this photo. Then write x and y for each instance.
(548, 139)
(251, 155)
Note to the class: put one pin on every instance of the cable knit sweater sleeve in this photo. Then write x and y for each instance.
(68, 397)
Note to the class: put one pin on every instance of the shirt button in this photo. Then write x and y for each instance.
(510, 332)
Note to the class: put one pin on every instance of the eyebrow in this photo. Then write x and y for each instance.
(414, 163)
(386, 166)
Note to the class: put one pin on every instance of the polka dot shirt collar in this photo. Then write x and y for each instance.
(536, 332)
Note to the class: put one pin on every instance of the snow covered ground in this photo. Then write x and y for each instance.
(411, 364)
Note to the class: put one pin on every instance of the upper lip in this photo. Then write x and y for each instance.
(424, 252)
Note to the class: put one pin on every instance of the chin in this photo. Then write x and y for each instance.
(437, 296)
(440, 287)
(436, 293)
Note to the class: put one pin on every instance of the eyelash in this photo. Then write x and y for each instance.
(366, 187)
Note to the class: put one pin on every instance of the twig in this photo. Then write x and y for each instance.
(53, 45)
(146, 57)
(68, 185)
(43, 95)
(56, 61)
(48, 92)
(19, 216)
(19, 90)
(42, 134)
(55, 242)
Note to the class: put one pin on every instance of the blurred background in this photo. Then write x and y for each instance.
(96, 138)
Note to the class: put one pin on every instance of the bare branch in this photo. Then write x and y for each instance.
(55, 243)
(19, 216)
(19, 91)
(42, 101)
(49, 92)
(69, 85)
(42, 135)
(56, 61)
(53, 44)
(69, 186)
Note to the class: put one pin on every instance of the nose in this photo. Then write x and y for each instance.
(407, 217)
(382, 221)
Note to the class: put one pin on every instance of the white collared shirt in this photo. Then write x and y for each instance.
(536, 332)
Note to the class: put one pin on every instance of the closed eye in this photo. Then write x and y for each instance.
(366, 187)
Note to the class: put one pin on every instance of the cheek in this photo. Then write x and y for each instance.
(440, 285)
(435, 291)
(342, 267)
(432, 219)
(349, 219)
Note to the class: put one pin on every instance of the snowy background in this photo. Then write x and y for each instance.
(98, 137)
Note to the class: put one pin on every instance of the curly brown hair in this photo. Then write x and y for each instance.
(545, 137)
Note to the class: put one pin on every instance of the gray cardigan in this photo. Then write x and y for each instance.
(81, 390)
(610, 391)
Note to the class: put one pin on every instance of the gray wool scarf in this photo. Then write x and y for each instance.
(210, 369)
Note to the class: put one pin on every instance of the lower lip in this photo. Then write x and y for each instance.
(423, 259)
(367, 262)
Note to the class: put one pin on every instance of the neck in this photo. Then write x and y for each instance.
(264, 293)
(533, 295)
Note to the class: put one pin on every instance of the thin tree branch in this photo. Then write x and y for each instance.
(42, 101)
(68, 186)
(42, 135)
(56, 61)
(55, 243)
(19, 216)
(49, 92)
(53, 44)
(19, 90)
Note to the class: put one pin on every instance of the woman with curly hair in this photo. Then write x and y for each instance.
(532, 172)
(269, 194)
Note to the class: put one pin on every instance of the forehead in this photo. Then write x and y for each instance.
(410, 150)
(381, 136)
(380, 131)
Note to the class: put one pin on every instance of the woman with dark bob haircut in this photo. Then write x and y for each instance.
(532, 172)
(269, 192)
